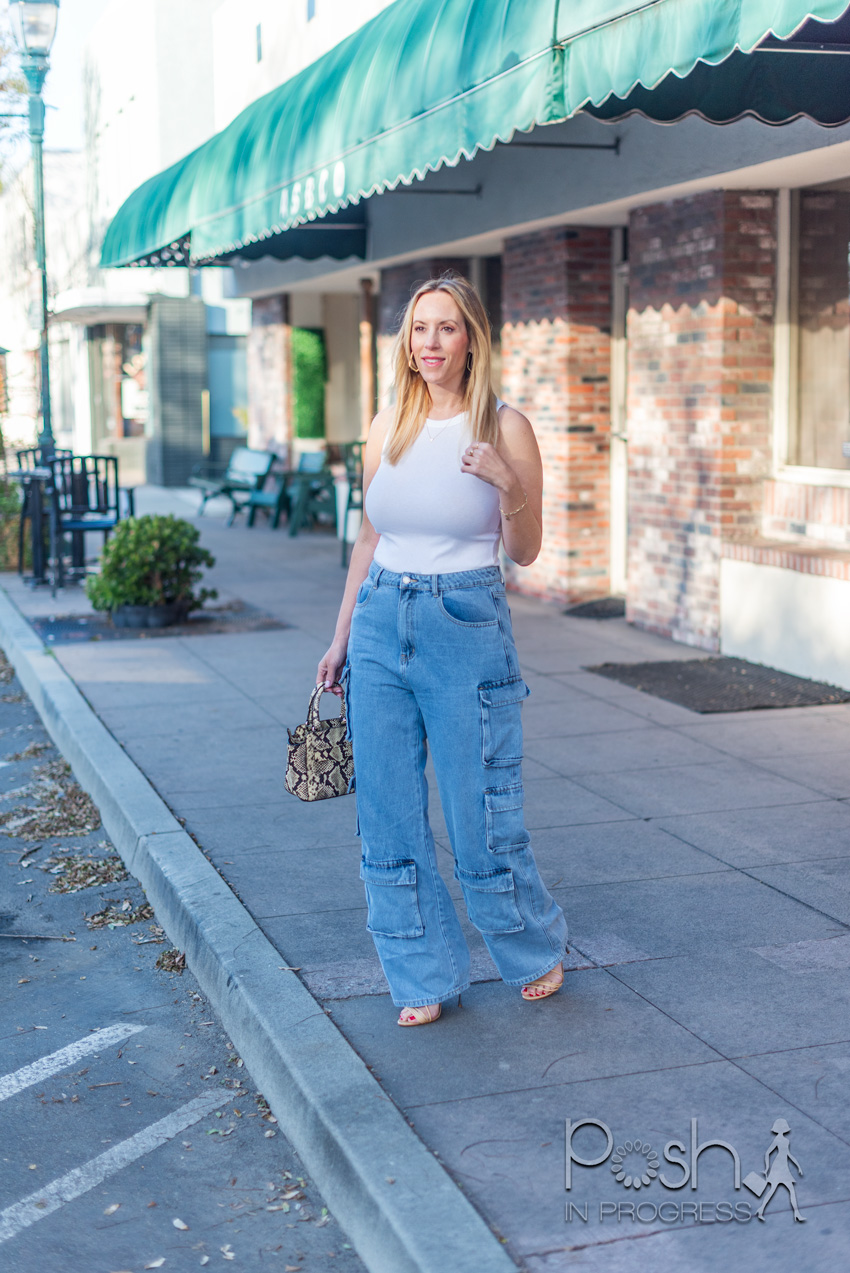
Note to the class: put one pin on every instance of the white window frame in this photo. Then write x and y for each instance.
(785, 398)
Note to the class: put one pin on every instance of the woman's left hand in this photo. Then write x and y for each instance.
(484, 461)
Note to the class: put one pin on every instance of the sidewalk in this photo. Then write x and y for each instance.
(703, 863)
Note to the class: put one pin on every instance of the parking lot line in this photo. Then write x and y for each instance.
(74, 1183)
(47, 1066)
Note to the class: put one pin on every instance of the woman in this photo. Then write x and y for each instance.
(449, 473)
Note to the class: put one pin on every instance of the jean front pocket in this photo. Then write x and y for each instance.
(364, 592)
(469, 607)
(392, 898)
(505, 824)
(501, 721)
(490, 900)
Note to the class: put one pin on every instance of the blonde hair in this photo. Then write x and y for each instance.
(412, 397)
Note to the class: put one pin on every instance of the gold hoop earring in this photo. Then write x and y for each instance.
(469, 361)
(412, 365)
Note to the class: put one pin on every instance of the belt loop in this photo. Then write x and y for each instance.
(435, 589)
(378, 576)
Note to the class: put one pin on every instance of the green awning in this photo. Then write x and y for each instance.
(807, 76)
(425, 83)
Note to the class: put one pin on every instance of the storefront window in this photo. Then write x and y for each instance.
(119, 400)
(821, 432)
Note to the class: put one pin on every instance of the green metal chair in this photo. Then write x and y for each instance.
(311, 491)
(352, 454)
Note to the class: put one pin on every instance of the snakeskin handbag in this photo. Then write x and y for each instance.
(320, 763)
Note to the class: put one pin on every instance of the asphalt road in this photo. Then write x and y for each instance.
(131, 1135)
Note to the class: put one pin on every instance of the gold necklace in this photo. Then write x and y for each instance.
(432, 437)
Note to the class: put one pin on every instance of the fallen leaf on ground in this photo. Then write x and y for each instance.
(60, 807)
(156, 1264)
(76, 871)
(30, 752)
(112, 917)
(178, 1224)
(110, 1211)
(205, 1259)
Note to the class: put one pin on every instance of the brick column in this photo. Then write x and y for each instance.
(398, 283)
(269, 376)
(700, 330)
(556, 307)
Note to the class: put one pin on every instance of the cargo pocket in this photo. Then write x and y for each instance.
(505, 824)
(490, 900)
(392, 899)
(501, 721)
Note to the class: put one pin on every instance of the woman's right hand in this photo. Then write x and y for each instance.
(331, 666)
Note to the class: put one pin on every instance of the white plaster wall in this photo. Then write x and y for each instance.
(20, 294)
(149, 91)
(122, 107)
(787, 620)
(289, 43)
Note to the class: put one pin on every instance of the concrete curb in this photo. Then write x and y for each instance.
(352, 1138)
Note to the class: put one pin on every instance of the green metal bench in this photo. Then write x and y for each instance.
(245, 474)
(273, 501)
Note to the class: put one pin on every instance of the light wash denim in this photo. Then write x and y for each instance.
(433, 657)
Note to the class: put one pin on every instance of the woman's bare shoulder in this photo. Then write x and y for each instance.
(513, 424)
(382, 420)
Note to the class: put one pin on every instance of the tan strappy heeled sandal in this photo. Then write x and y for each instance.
(546, 985)
(420, 1016)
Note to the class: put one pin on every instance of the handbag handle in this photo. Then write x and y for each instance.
(315, 699)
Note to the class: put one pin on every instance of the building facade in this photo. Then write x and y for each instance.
(670, 309)
(670, 306)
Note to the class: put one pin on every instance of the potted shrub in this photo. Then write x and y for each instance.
(149, 572)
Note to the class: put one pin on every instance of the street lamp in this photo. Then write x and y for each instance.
(34, 24)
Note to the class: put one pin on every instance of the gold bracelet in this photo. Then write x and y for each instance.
(508, 516)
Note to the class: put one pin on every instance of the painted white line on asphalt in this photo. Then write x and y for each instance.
(74, 1183)
(45, 1068)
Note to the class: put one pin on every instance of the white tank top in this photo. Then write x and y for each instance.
(431, 517)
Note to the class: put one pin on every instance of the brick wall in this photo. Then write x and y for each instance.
(700, 329)
(556, 311)
(269, 376)
(398, 283)
(797, 511)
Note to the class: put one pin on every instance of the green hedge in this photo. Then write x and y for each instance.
(309, 373)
